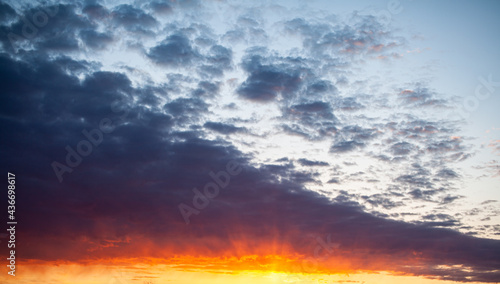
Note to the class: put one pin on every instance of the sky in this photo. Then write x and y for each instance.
(251, 141)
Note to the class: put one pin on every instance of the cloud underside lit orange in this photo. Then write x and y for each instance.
(189, 269)
(238, 260)
(232, 247)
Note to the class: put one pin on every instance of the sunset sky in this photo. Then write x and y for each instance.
(251, 141)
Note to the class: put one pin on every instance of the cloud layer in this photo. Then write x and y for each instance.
(132, 140)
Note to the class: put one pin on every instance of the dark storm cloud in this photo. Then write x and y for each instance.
(6, 12)
(59, 33)
(45, 108)
(41, 90)
(59, 27)
(47, 28)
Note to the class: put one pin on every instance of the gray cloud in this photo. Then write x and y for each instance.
(174, 51)
(223, 128)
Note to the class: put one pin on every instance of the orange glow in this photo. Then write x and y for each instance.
(248, 269)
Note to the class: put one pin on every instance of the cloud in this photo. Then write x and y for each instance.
(55, 30)
(402, 148)
(178, 167)
(349, 104)
(380, 200)
(218, 60)
(321, 87)
(362, 34)
(123, 200)
(420, 97)
(495, 145)
(186, 110)
(174, 51)
(492, 166)
(352, 137)
(223, 128)
(132, 18)
(247, 29)
(151, 175)
(306, 162)
(345, 146)
(160, 7)
(192, 48)
(447, 173)
(95, 11)
(6, 12)
(95, 39)
(266, 81)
